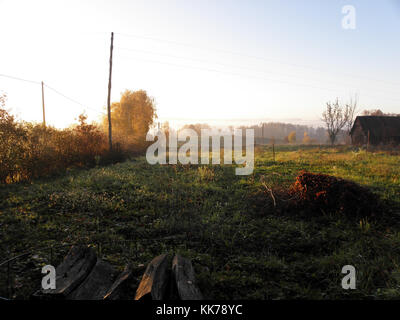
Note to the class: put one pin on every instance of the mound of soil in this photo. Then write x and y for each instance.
(320, 192)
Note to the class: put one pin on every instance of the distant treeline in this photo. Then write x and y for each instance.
(279, 133)
(284, 132)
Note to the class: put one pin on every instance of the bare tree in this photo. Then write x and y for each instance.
(334, 118)
(350, 111)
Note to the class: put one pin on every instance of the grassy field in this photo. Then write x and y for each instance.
(240, 245)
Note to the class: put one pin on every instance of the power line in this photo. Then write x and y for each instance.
(253, 57)
(20, 79)
(223, 72)
(70, 99)
(238, 74)
(237, 67)
(51, 88)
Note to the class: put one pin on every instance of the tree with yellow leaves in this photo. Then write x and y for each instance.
(132, 116)
(292, 137)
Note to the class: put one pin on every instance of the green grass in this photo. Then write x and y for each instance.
(240, 248)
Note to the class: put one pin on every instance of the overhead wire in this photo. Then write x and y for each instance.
(239, 74)
(252, 57)
(51, 88)
(234, 66)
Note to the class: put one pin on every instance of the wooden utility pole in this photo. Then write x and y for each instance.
(109, 94)
(44, 114)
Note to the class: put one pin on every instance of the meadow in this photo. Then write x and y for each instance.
(241, 245)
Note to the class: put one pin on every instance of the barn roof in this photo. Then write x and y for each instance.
(379, 126)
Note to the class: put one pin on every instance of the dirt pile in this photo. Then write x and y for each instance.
(319, 192)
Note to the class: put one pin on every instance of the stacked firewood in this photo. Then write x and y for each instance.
(84, 276)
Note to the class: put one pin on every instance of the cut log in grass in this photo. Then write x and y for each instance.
(184, 276)
(124, 286)
(96, 284)
(72, 271)
(155, 279)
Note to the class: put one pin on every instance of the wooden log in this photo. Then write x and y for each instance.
(184, 277)
(96, 284)
(119, 286)
(125, 285)
(72, 271)
(155, 279)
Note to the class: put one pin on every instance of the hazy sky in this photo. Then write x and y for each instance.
(200, 60)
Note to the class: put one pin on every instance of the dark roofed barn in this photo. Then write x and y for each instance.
(381, 130)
